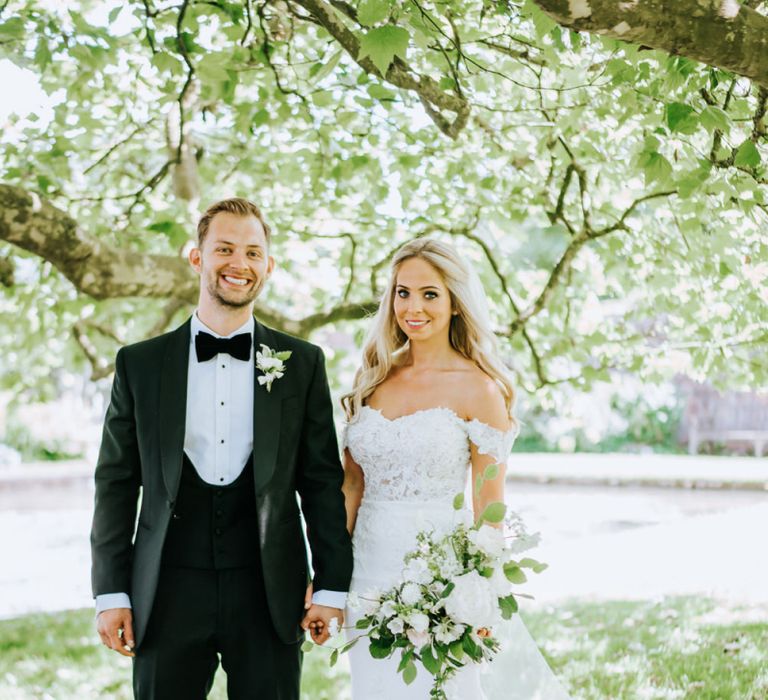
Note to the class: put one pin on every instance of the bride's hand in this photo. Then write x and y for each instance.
(484, 632)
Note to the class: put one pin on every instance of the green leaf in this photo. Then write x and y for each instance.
(383, 44)
(472, 650)
(514, 573)
(379, 649)
(320, 71)
(409, 673)
(113, 13)
(334, 657)
(747, 155)
(508, 606)
(458, 501)
(372, 12)
(681, 117)
(493, 513)
(430, 660)
(491, 472)
(212, 70)
(456, 649)
(307, 646)
(657, 168)
(714, 118)
(283, 355)
(536, 566)
(405, 657)
(379, 92)
(166, 62)
(42, 53)
(12, 29)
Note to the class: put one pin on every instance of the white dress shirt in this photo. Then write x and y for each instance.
(219, 394)
(218, 435)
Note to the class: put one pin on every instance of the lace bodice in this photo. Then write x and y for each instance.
(419, 456)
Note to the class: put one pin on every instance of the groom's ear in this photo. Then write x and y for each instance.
(270, 265)
(195, 259)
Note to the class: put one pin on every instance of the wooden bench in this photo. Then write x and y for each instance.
(759, 438)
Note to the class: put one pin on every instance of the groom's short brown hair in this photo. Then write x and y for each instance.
(234, 205)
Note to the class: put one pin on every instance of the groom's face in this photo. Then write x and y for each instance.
(233, 261)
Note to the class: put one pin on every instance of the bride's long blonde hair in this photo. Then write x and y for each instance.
(470, 333)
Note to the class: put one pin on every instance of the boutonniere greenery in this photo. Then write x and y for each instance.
(272, 364)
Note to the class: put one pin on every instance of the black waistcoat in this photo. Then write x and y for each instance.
(213, 527)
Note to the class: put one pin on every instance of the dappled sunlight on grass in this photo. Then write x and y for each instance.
(656, 650)
(668, 649)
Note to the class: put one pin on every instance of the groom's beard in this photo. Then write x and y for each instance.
(232, 298)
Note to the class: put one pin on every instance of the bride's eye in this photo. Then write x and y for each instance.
(430, 295)
(402, 293)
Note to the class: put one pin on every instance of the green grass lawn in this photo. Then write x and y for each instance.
(674, 648)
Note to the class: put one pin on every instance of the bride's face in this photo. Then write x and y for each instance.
(422, 302)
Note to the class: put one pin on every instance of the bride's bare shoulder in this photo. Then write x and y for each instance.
(483, 400)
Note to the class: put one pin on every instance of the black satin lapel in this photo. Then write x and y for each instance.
(267, 406)
(172, 415)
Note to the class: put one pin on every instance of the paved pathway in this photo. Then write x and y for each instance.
(601, 542)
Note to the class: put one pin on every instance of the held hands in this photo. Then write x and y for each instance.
(320, 619)
(115, 627)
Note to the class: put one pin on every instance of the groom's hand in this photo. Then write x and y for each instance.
(318, 622)
(115, 627)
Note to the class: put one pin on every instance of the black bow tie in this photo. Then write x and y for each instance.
(208, 346)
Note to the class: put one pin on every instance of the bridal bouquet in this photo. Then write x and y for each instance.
(454, 589)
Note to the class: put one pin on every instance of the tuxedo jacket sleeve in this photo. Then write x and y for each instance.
(118, 478)
(319, 481)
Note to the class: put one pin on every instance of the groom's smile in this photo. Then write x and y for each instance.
(233, 260)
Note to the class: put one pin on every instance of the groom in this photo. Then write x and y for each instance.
(215, 443)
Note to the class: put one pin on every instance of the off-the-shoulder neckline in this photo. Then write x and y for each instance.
(446, 409)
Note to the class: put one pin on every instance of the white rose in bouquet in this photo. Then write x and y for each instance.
(445, 632)
(417, 570)
(449, 566)
(489, 540)
(396, 626)
(472, 601)
(418, 639)
(410, 594)
(500, 584)
(387, 609)
(419, 621)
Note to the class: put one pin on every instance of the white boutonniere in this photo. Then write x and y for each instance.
(272, 363)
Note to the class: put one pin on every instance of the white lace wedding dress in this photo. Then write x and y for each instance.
(414, 466)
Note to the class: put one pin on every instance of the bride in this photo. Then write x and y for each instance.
(431, 405)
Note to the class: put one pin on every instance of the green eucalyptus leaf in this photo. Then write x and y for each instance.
(493, 513)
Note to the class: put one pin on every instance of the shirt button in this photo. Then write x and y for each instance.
(222, 403)
(218, 513)
(222, 442)
(218, 530)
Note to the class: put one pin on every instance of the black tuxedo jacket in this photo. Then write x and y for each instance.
(294, 451)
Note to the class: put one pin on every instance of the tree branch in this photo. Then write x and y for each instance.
(727, 35)
(400, 74)
(106, 272)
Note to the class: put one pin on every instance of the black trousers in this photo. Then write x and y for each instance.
(201, 615)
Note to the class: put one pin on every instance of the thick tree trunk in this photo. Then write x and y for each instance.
(96, 269)
(721, 33)
(106, 272)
